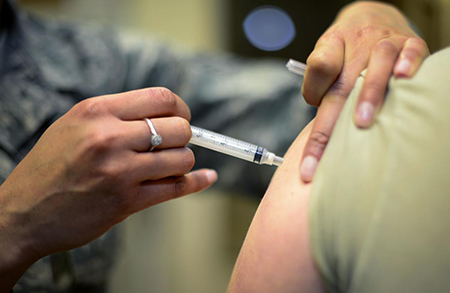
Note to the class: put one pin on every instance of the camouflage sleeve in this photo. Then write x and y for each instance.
(258, 101)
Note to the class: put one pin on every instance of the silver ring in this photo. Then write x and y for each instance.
(155, 139)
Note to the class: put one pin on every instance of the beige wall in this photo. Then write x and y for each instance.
(195, 23)
(432, 18)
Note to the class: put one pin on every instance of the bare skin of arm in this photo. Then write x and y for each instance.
(276, 255)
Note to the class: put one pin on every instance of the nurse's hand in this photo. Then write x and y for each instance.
(92, 169)
(368, 35)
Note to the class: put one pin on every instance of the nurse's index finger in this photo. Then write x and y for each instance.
(147, 103)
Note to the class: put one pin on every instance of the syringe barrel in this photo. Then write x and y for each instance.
(225, 144)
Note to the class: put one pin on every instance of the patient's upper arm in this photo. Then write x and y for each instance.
(276, 255)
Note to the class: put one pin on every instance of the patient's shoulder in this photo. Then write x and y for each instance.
(276, 256)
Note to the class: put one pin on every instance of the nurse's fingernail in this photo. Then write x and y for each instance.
(308, 168)
(403, 68)
(365, 115)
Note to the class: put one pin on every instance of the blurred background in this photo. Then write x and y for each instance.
(191, 244)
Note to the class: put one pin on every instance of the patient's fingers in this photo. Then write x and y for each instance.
(329, 111)
(379, 71)
(414, 52)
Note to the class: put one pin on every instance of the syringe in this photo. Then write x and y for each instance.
(296, 67)
(233, 147)
(238, 148)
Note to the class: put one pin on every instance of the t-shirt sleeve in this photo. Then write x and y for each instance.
(379, 209)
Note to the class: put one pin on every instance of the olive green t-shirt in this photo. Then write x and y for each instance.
(380, 208)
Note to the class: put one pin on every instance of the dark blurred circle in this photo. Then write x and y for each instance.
(269, 28)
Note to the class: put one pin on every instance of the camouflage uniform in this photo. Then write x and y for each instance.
(48, 67)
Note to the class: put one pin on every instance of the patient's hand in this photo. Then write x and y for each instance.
(368, 35)
(276, 255)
